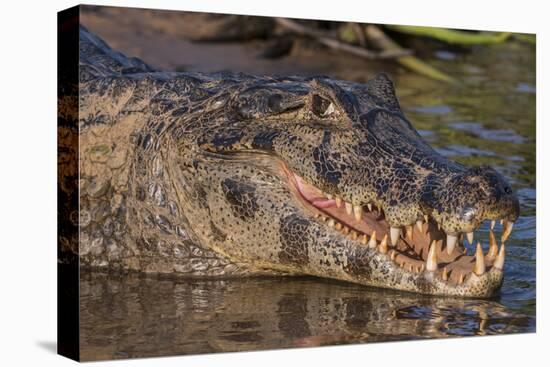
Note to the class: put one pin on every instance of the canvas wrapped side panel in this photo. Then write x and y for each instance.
(68, 340)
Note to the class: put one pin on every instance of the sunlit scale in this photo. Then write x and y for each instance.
(421, 246)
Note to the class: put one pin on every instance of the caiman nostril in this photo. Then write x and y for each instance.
(469, 213)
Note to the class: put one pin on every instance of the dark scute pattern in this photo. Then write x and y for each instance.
(227, 139)
(242, 198)
(325, 164)
(383, 92)
(359, 263)
(264, 140)
(294, 240)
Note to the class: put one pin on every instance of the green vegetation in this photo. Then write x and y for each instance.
(451, 36)
(374, 42)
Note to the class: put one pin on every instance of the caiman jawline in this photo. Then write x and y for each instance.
(419, 248)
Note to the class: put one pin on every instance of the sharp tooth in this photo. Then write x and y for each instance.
(479, 267)
(393, 255)
(338, 202)
(353, 235)
(421, 268)
(372, 241)
(409, 232)
(419, 225)
(493, 247)
(451, 243)
(369, 205)
(431, 261)
(501, 222)
(394, 235)
(357, 212)
(338, 226)
(329, 196)
(470, 237)
(499, 262)
(439, 226)
(461, 279)
(383, 247)
(493, 224)
(507, 230)
(445, 274)
(331, 222)
(323, 218)
(349, 208)
(426, 218)
(345, 230)
(364, 239)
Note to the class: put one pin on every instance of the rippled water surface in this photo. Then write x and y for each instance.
(489, 118)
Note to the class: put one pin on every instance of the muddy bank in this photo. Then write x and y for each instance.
(164, 40)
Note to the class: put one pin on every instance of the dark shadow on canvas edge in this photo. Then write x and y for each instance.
(48, 345)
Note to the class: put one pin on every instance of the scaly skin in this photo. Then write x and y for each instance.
(194, 174)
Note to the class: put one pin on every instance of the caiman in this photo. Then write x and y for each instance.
(230, 175)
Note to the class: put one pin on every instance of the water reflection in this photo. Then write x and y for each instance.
(133, 316)
(504, 135)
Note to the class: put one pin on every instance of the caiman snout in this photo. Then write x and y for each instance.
(463, 201)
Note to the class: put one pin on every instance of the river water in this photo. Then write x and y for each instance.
(488, 118)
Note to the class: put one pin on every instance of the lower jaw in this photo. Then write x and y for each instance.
(428, 283)
(390, 267)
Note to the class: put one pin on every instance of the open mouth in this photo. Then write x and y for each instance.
(423, 247)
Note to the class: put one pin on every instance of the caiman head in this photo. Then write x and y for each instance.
(329, 178)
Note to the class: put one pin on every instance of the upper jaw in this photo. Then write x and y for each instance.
(415, 211)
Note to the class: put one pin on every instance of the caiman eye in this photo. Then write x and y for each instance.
(508, 190)
(322, 107)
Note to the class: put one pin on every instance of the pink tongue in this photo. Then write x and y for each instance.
(317, 198)
(314, 195)
(324, 203)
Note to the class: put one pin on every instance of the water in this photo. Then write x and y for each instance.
(129, 316)
(489, 118)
